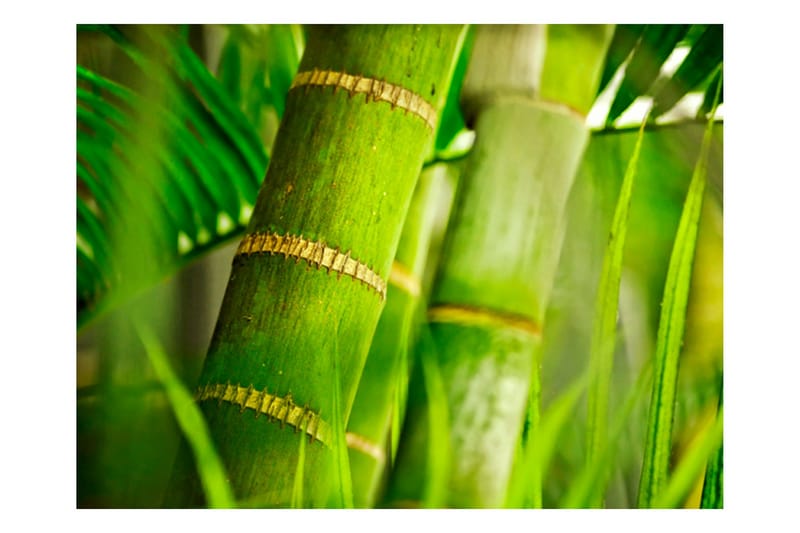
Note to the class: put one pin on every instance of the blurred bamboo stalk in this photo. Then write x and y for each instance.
(383, 383)
(499, 258)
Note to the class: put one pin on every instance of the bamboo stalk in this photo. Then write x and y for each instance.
(386, 370)
(307, 283)
(492, 287)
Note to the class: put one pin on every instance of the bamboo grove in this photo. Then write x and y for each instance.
(445, 276)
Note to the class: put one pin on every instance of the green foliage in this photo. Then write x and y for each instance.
(604, 334)
(191, 422)
(670, 336)
(170, 156)
(169, 125)
(712, 495)
(655, 46)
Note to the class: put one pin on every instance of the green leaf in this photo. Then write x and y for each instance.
(452, 121)
(708, 98)
(689, 469)
(589, 485)
(162, 159)
(190, 419)
(297, 489)
(657, 43)
(626, 36)
(343, 482)
(670, 336)
(601, 355)
(712, 496)
(525, 487)
(702, 61)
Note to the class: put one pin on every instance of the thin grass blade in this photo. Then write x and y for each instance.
(689, 469)
(708, 98)
(343, 491)
(209, 466)
(655, 467)
(526, 484)
(604, 334)
(711, 497)
(297, 489)
(590, 483)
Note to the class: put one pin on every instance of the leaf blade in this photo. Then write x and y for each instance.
(670, 335)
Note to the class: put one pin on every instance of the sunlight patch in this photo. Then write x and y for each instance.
(203, 236)
(224, 224)
(184, 243)
(245, 213)
(84, 246)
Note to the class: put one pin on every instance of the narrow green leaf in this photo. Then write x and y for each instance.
(215, 140)
(688, 471)
(167, 188)
(670, 335)
(526, 484)
(344, 484)
(284, 49)
(712, 485)
(657, 43)
(98, 191)
(229, 70)
(625, 38)
(702, 61)
(297, 488)
(604, 333)
(708, 98)
(590, 484)
(229, 116)
(90, 278)
(190, 419)
(90, 229)
(452, 121)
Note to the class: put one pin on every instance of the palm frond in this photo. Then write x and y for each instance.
(168, 163)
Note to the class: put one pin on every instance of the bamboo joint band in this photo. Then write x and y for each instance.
(315, 253)
(377, 90)
(401, 277)
(482, 317)
(365, 446)
(278, 408)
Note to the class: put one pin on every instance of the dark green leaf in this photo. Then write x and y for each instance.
(712, 485)
(452, 121)
(708, 98)
(657, 43)
(625, 38)
(702, 61)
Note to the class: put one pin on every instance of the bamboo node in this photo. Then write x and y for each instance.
(315, 254)
(281, 409)
(482, 317)
(374, 90)
(367, 447)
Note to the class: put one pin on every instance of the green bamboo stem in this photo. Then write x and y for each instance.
(385, 373)
(488, 302)
(308, 282)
